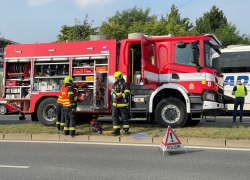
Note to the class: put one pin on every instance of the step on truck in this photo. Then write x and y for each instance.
(173, 80)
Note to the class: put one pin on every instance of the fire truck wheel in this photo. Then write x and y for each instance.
(3, 109)
(46, 112)
(171, 112)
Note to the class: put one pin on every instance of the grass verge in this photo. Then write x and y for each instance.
(236, 132)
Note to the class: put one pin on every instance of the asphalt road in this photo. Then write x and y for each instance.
(42, 160)
(220, 121)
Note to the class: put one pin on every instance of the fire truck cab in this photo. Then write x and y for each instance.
(172, 79)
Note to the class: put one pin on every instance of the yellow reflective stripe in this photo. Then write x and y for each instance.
(57, 122)
(70, 92)
(125, 126)
(75, 99)
(65, 100)
(117, 127)
(127, 91)
(62, 124)
(66, 128)
(20, 115)
(113, 90)
(72, 128)
(118, 94)
(120, 105)
(123, 95)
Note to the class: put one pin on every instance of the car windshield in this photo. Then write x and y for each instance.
(212, 58)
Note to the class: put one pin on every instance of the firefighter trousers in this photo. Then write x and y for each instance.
(116, 111)
(60, 121)
(70, 120)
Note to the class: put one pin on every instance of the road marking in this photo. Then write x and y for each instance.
(128, 144)
(8, 166)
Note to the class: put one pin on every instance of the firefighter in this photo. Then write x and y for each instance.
(60, 121)
(69, 99)
(21, 115)
(120, 92)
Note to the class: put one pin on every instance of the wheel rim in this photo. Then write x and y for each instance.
(170, 114)
(49, 112)
(2, 109)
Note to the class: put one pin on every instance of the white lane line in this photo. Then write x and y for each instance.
(8, 166)
(128, 144)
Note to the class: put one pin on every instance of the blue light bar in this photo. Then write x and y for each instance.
(104, 47)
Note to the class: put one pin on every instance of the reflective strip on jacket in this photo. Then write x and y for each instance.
(65, 96)
(123, 91)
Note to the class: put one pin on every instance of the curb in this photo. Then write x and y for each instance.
(122, 139)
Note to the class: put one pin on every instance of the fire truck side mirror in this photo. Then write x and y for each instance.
(195, 56)
(194, 53)
(181, 44)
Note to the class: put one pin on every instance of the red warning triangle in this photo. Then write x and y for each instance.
(170, 138)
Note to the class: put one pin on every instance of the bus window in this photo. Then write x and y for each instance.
(234, 62)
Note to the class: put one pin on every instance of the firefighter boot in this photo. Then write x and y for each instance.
(116, 132)
(72, 133)
(58, 125)
(126, 132)
(21, 116)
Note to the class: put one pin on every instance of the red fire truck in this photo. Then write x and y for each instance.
(172, 79)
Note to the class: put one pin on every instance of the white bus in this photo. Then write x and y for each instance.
(235, 65)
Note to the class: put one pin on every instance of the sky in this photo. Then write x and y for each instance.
(31, 21)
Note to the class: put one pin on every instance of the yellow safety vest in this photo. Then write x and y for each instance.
(240, 92)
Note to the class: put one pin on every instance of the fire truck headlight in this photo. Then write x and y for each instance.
(210, 96)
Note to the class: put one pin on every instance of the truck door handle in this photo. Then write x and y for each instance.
(146, 81)
(175, 76)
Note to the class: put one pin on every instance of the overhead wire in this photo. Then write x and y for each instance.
(177, 8)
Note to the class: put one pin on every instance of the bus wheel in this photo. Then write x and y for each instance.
(46, 112)
(3, 109)
(171, 112)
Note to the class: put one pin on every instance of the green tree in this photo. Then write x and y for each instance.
(125, 22)
(229, 35)
(136, 20)
(172, 23)
(216, 22)
(81, 31)
(210, 21)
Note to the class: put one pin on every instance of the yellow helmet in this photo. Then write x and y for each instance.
(118, 75)
(68, 80)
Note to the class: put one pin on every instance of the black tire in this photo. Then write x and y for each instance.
(171, 112)
(3, 109)
(46, 112)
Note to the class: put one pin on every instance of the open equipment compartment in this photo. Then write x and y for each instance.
(18, 72)
(49, 73)
(90, 75)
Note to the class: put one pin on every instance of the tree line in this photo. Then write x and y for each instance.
(138, 20)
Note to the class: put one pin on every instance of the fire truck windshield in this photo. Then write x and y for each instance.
(211, 58)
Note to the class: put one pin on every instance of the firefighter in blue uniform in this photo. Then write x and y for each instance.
(120, 93)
